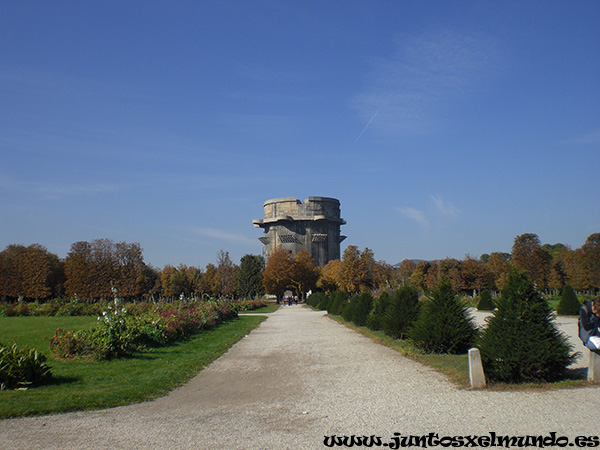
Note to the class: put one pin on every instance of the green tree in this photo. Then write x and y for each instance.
(443, 324)
(485, 302)
(401, 311)
(364, 304)
(339, 299)
(521, 342)
(249, 276)
(568, 304)
(377, 314)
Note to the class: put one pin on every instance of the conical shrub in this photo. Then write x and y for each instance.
(338, 301)
(349, 308)
(485, 302)
(377, 314)
(402, 311)
(568, 304)
(521, 342)
(444, 324)
(364, 304)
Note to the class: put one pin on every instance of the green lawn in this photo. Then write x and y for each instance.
(271, 307)
(83, 384)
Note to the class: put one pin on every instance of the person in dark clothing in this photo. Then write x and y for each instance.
(589, 321)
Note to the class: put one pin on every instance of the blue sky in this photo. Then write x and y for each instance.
(444, 128)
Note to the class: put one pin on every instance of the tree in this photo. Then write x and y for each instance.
(304, 273)
(377, 315)
(384, 276)
(521, 342)
(227, 274)
(338, 302)
(498, 265)
(179, 281)
(528, 255)
(405, 270)
(36, 268)
(249, 276)
(568, 304)
(364, 304)
(431, 276)
(591, 261)
(443, 324)
(30, 272)
(558, 274)
(485, 302)
(574, 266)
(401, 312)
(350, 274)
(131, 270)
(11, 278)
(80, 270)
(330, 277)
(368, 269)
(91, 268)
(278, 273)
(209, 284)
(418, 277)
(165, 279)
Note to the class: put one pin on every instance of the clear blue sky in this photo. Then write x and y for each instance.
(445, 128)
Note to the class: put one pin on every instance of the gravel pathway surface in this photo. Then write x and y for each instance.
(300, 377)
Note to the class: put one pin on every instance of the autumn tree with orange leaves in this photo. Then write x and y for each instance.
(30, 273)
(278, 274)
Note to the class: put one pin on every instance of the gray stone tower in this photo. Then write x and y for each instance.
(312, 225)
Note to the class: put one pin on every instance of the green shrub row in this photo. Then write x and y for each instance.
(520, 343)
(22, 367)
(439, 324)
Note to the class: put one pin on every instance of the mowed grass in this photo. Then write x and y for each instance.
(271, 307)
(83, 384)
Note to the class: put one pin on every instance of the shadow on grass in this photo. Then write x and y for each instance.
(56, 381)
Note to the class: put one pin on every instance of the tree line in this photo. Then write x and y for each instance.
(91, 269)
(550, 267)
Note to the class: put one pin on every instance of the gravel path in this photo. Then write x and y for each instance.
(297, 378)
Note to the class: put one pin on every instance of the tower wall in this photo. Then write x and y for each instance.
(312, 225)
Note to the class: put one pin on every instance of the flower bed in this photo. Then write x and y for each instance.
(121, 331)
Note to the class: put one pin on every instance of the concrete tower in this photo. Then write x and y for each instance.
(312, 225)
